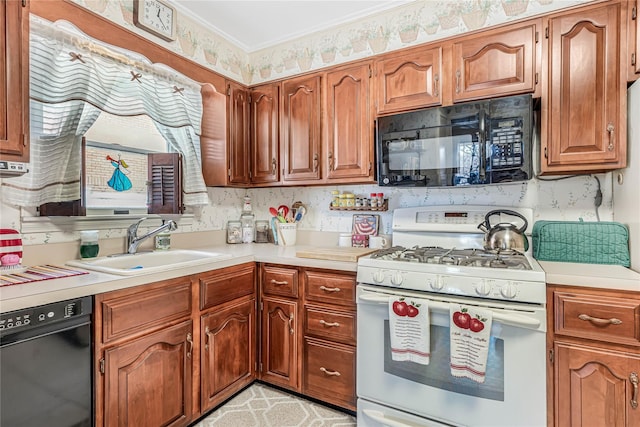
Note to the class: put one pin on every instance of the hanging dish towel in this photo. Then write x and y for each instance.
(409, 329)
(470, 335)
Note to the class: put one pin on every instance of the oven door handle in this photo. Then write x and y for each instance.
(379, 417)
(511, 319)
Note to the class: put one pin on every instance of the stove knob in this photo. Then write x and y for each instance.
(483, 288)
(509, 291)
(436, 284)
(396, 278)
(378, 276)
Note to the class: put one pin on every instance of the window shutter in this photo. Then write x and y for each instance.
(165, 179)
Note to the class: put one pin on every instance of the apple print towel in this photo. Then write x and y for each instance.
(470, 334)
(409, 329)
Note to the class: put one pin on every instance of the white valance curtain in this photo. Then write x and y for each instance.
(73, 74)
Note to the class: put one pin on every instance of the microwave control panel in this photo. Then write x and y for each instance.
(507, 147)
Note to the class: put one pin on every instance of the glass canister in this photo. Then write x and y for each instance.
(234, 232)
(248, 228)
(262, 231)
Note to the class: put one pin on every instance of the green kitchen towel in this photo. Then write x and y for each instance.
(582, 242)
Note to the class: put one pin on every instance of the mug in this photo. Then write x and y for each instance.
(344, 239)
(379, 242)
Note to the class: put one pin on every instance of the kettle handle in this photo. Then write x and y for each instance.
(508, 212)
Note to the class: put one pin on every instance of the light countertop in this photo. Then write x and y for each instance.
(44, 292)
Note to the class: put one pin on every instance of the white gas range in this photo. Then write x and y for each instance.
(438, 257)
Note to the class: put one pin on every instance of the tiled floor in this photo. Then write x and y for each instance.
(262, 406)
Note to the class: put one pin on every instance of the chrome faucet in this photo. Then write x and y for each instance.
(133, 241)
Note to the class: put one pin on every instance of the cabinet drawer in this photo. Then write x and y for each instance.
(280, 281)
(332, 288)
(330, 372)
(226, 285)
(597, 317)
(330, 324)
(135, 311)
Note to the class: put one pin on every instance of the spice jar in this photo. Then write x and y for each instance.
(335, 198)
(350, 200)
(342, 200)
(374, 200)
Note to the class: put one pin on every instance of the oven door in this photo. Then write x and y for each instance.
(513, 394)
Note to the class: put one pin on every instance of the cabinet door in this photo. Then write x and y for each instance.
(300, 129)
(279, 343)
(634, 40)
(228, 351)
(495, 63)
(348, 136)
(585, 118)
(14, 81)
(410, 81)
(265, 159)
(238, 134)
(148, 380)
(595, 387)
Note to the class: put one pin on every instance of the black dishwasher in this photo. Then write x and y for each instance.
(45, 365)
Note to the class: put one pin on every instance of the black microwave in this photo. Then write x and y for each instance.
(475, 143)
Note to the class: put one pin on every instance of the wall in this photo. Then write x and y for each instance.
(568, 199)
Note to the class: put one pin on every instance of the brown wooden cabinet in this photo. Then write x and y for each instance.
(239, 160)
(300, 129)
(144, 353)
(584, 102)
(348, 136)
(633, 37)
(14, 81)
(227, 333)
(496, 62)
(409, 81)
(329, 352)
(265, 134)
(594, 349)
(280, 325)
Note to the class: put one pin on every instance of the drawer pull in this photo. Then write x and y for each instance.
(291, 324)
(329, 325)
(633, 377)
(330, 373)
(600, 322)
(190, 341)
(278, 282)
(324, 288)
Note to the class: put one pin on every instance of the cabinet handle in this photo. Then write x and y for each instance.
(273, 166)
(598, 321)
(291, 323)
(330, 160)
(330, 373)
(279, 283)
(612, 137)
(457, 81)
(324, 288)
(190, 341)
(329, 325)
(436, 86)
(633, 377)
(315, 162)
(206, 338)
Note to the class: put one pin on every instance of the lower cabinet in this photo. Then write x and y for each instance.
(148, 380)
(279, 342)
(594, 349)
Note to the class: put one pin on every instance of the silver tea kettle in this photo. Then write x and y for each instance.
(504, 237)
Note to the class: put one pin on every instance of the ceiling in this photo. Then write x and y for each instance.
(255, 25)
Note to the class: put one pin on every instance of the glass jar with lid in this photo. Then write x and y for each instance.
(234, 232)
(248, 227)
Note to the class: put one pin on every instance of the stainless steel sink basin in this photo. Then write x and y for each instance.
(149, 262)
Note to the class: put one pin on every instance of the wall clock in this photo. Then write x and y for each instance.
(155, 16)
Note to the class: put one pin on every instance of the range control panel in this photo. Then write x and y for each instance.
(45, 314)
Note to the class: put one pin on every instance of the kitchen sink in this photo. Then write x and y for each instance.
(148, 262)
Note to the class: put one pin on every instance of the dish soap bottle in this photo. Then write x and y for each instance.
(89, 246)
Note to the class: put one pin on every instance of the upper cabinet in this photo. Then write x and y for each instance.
(238, 134)
(496, 63)
(14, 83)
(634, 40)
(409, 81)
(584, 102)
(300, 129)
(348, 136)
(265, 138)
